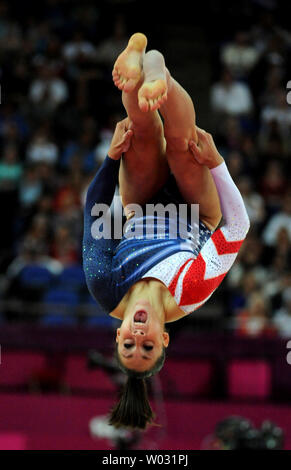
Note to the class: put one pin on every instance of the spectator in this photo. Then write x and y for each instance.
(239, 55)
(41, 149)
(279, 113)
(10, 169)
(262, 31)
(282, 317)
(248, 272)
(109, 49)
(273, 86)
(254, 320)
(64, 247)
(82, 149)
(67, 208)
(247, 283)
(281, 220)
(231, 97)
(32, 253)
(273, 184)
(79, 50)
(10, 31)
(13, 125)
(38, 232)
(278, 280)
(235, 164)
(30, 188)
(47, 91)
(254, 202)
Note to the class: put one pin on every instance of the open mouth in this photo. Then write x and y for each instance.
(140, 316)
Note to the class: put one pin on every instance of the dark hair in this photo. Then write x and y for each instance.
(133, 409)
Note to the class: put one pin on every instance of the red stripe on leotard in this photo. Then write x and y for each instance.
(195, 287)
(224, 247)
(173, 285)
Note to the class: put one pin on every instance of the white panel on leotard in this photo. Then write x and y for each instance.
(216, 264)
(167, 269)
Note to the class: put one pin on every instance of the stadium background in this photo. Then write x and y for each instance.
(57, 114)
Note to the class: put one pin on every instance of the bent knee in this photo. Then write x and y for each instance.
(176, 145)
(147, 129)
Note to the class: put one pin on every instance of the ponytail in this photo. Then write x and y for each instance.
(133, 409)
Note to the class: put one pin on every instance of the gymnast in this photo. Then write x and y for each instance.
(157, 155)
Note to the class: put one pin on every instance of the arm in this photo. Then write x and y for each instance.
(231, 202)
(102, 188)
(206, 272)
(101, 191)
(232, 206)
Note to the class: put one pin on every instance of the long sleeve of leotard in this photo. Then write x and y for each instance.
(232, 206)
(102, 187)
(198, 278)
(100, 191)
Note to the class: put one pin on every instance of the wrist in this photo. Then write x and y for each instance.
(216, 162)
(113, 155)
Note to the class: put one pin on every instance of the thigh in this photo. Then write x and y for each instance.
(144, 168)
(196, 185)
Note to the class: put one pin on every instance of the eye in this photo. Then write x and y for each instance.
(127, 345)
(147, 347)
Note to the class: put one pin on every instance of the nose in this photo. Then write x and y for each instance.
(136, 332)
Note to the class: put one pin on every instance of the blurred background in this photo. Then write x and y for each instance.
(58, 111)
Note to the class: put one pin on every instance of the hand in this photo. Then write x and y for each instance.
(121, 140)
(205, 151)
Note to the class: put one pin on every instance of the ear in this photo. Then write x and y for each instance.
(166, 339)
(117, 335)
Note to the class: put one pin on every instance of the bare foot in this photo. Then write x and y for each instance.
(127, 69)
(153, 92)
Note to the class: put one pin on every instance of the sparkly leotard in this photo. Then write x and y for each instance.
(191, 269)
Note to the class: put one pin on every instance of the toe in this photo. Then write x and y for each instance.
(143, 104)
(156, 105)
(130, 85)
(151, 103)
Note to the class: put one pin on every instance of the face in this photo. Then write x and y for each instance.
(141, 338)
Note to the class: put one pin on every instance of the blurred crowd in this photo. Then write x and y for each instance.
(57, 115)
(251, 120)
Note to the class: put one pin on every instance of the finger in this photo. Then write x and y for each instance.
(196, 151)
(122, 124)
(194, 144)
(127, 124)
(126, 141)
(128, 135)
(202, 134)
(194, 148)
(210, 138)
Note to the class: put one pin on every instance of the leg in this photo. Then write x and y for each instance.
(144, 168)
(195, 181)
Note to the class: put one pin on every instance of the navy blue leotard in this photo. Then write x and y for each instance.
(112, 266)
